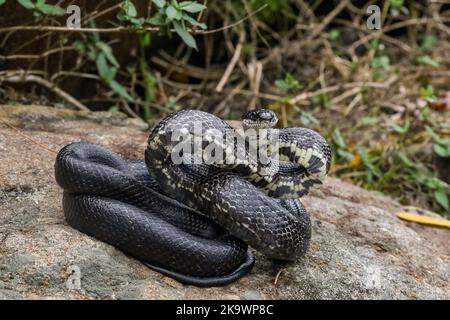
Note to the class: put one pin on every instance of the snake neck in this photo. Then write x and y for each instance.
(283, 163)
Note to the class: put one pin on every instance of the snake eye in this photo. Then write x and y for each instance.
(267, 115)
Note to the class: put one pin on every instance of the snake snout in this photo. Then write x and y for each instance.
(259, 119)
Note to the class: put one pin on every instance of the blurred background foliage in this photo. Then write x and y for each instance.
(381, 97)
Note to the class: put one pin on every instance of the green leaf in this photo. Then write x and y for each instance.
(137, 22)
(194, 22)
(432, 133)
(365, 158)
(129, 8)
(441, 197)
(442, 150)
(428, 93)
(159, 3)
(368, 120)
(192, 7)
(338, 139)
(157, 20)
(428, 43)
(381, 62)
(110, 74)
(399, 129)
(2, 2)
(405, 160)
(26, 4)
(307, 118)
(146, 39)
(287, 84)
(424, 114)
(427, 60)
(172, 13)
(345, 154)
(52, 10)
(106, 49)
(102, 67)
(395, 6)
(186, 36)
(334, 34)
(120, 90)
(282, 85)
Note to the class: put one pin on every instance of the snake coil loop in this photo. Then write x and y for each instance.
(193, 221)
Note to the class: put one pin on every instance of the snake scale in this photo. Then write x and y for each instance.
(194, 221)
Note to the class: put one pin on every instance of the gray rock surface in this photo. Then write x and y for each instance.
(359, 248)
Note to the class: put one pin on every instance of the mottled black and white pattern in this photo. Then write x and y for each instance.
(193, 221)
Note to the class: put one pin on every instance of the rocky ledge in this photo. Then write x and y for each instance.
(359, 249)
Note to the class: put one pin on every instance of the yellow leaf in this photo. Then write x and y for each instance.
(430, 221)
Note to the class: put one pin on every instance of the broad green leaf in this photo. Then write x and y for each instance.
(120, 90)
(185, 3)
(441, 197)
(26, 4)
(2, 2)
(129, 8)
(159, 3)
(137, 22)
(172, 13)
(157, 20)
(186, 36)
(192, 7)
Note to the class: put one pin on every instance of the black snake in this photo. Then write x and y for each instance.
(193, 220)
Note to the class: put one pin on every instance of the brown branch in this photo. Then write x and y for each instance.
(68, 29)
(234, 60)
(22, 76)
(37, 56)
(120, 28)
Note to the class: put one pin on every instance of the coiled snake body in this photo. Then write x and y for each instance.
(193, 220)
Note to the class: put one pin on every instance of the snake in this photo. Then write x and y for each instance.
(191, 218)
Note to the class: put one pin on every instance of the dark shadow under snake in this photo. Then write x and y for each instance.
(193, 222)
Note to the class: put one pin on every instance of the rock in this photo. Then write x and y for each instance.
(359, 249)
(251, 295)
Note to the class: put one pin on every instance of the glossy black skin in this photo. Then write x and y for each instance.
(118, 202)
(190, 222)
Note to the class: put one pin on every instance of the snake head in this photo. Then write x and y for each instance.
(259, 119)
